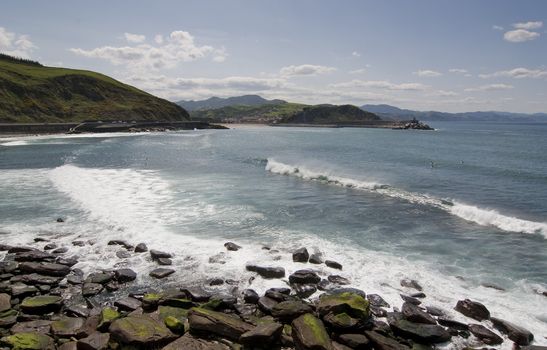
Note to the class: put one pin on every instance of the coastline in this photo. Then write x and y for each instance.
(46, 298)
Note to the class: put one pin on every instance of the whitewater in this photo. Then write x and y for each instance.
(366, 198)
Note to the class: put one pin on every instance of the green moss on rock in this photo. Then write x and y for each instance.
(350, 303)
(106, 317)
(174, 324)
(29, 341)
(41, 303)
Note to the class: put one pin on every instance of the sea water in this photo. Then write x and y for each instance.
(458, 209)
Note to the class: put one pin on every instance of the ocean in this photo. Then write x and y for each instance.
(459, 209)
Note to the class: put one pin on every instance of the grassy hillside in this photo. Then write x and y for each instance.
(30, 92)
(218, 102)
(241, 114)
(329, 114)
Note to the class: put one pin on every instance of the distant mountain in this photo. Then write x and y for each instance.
(391, 112)
(267, 113)
(218, 102)
(31, 92)
(331, 114)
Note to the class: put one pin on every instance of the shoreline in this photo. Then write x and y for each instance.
(46, 293)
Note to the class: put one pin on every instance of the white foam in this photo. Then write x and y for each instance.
(14, 143)
(484, 217)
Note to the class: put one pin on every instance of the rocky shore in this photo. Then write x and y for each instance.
(46, 302)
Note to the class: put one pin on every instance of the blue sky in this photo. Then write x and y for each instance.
(443, 55)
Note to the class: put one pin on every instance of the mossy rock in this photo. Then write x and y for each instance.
(141, 330)
(150, 301)
(178, 302)
(212, 322)
(107, 316)
(341, 321)
(8, 318)
(29, 341)
(350, 303)
(174, 324)
(213, 304)
(41, 304)
(176, 312)
(308, 332)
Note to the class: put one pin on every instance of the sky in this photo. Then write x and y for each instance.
(453, 56)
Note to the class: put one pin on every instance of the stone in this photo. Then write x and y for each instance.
(5, 302)
(66, 261)
(202, 320)
(161, 272)
(276, 295)
(34, 255)
(267, 272)
(250, 296)
(333, 264)
(516, 333)
(67, 327)
(156, 254)
(316, 258)
(41, 304)
(263, 334)
(15, 250)
(50, 246)
(141, 248)
(342, 322)
(106, 317)
(177, 302)
(141, 331)
(304, 290)
(337, 346)
(78, 243)
(76, 310)
(164, 261)
(232, 246)
(355, 341)
(187, 341)
(123, 254)
(8, 266)
(174, 324)
(420, 332)
(435, 311)
(100, 277)
(91, 289)
(45, 268)
(266, 304)
(289, 310)
(350, 303)
(125, 275)
(5, 247)
(120, 242)
(413, 313)
(336, 279)
(38, 326)
(95, 341)
(29, 341)
(305, 276)
(127, 304)
(382, 342)
(308, 332)
(197, 294)
(300, 255)
(377, 300)
(453, 324)
(61, 250)
(170, 311)
(420, 295)
(410, 299)
(20, 290)
(8, 318)
(485, 335)
(472, 309)
(410, 283)
(35, 278)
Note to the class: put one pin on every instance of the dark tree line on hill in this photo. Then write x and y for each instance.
(5, 57)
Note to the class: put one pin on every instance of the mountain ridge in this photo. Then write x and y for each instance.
(219, 102)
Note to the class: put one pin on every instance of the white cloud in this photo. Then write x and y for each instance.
(491, 87)
(528, 25)
(520, 35)
(445, 93)
(356, 54)
(517, 73)
(458, 70)
(15, 44)
(158, 39)
(305, 69)
(179, 46)
(495, 27)
(381, 84)
(358, 71)
(134, 38)
(428, 73)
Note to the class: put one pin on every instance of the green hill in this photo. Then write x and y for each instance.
(330, 114)
(268, 113)
(218, 102)
(30, 92)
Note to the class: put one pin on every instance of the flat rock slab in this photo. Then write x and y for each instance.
(140, 331)
(263, 334)
(96, 341)
(516, 333)
(350, 303)
(67, 327)
(289, 310)
(29, 341)
(5, 302)
(127, 304)
(38, 326)
(267, 272)
(189, 342)
(308, 332)
(125, 275)
(382, 342)
(45, 268)
(304, 277)
(156, 254)
(41, 304)
(202, 320)
(472, 309)
(161, 272)
(485, 335)
(422, 333)
(413, 313)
